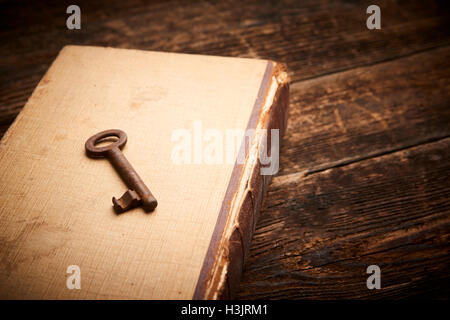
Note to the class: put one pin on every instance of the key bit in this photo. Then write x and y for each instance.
(129, 200)
(139, 194)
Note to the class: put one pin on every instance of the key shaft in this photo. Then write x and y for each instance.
(131, 178)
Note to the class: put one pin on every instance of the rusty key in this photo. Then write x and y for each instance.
(138, 194)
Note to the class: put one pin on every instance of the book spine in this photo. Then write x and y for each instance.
(224, 273)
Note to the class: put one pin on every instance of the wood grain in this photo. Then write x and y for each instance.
(367, 111)
(319, 233)
(312, 37)
(326, 219)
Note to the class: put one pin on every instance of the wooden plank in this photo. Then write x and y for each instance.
(367, 111)
(319, 232)
(313, 38)
(334, 121)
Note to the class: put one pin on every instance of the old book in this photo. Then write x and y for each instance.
(60, 237)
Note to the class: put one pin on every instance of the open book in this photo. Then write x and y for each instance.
(200, 136)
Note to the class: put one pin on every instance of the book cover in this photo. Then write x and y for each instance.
(203, 134)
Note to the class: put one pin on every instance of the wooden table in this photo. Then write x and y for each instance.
(365, 164)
